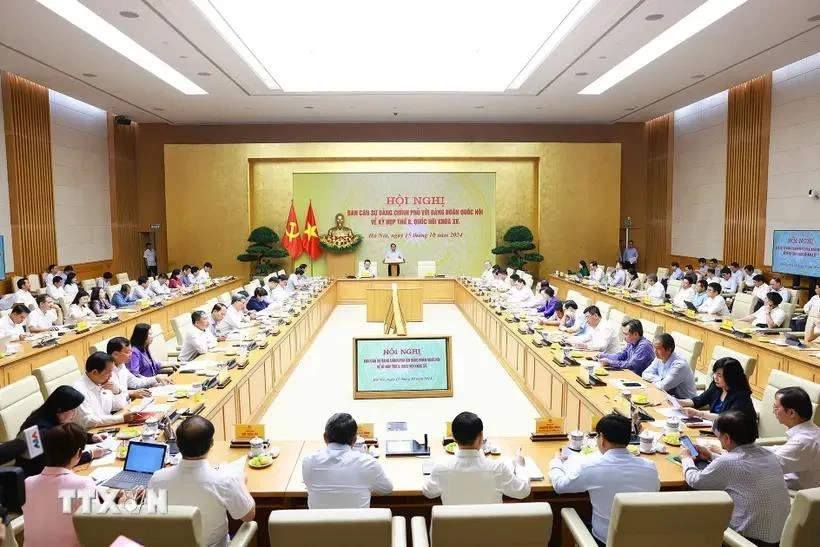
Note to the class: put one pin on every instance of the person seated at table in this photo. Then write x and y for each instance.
(748, 276)
(70, 286)
(615, 471)
(675, 272)
(457, 479)
(714, 304)
(45, 316)
(759, 290)
(198, 340)
(339, 477)
(97, 387)
(814, 302)
(700, 293)
(750, 474)
(702, 266)
(712, 277)
(617, 277)
(59, 408)
(142, 363)
(257, 302)
(96, 302)
(777, 286)
(728, 283)
(654, 288)
(550, 305)
(729, 390)
(813, 333)
(599, 336)
(185, 275)
(23, 293)
(46, 522)
(123, 298)
(572, 322)
(583, 270)
(368, 269)
(55, 290)
(636, 355)
(105, 281)
(235, 314)
(79, 310)
(193, 277)
(635, 283)
(174, 282)
(278, 295)
(142, 290)
(669, 371)
(502, 283)
(11, 324)
(519, 293)
(295, 281)
(597, 273)
(539, 298)
(159, 286)
(800, 456)
(215, 320)
(126, 386)
(686, 292)
(689, 270)
(195, 481)
(770, 315)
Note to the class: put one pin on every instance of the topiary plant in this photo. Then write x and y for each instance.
(517, 241)
(263, 250)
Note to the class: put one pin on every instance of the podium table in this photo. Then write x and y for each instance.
(393, 266)
(378, 301)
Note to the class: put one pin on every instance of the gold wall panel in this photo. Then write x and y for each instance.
(660, 141)
(215, 193)
(126, 243)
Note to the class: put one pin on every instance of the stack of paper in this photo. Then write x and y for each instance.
(532, 469)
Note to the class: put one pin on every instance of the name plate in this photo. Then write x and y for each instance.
(625, 292)
(727, 324)
(647, 300)
(667, 306)
(692, 314)
(549, 426)
(82, 325)
(144, 303)
(448, 430)
(613, 290)
(367, 431)
(246, 432)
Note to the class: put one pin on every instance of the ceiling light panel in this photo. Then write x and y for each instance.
(697, 20)
(377, 46)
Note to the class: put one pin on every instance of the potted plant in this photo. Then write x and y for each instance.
(264, 251)
(517, 243)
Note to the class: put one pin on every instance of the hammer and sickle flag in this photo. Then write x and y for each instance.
(292, 241)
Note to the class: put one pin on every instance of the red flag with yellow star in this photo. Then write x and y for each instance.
(292, 240)
(311, 242)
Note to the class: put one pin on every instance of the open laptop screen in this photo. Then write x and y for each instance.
(145, 457)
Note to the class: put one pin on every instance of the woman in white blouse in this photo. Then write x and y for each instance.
(79, 309)
(70, 287)
(814, 303)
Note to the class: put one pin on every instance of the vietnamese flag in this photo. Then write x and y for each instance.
(311, 243)
(292, 241)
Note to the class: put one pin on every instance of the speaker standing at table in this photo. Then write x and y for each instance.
(393, 259)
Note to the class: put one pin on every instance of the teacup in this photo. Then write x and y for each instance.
(646, 439)
(672, 425)
(576, 440)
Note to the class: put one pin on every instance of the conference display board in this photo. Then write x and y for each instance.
(448, 218)
(386, 367)
(796, 252)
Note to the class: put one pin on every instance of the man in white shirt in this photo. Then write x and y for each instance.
(339, 476)
(45, 316)
(150, 257)
(669, 371)
(127, 385)
(737, 275)
(277, 295)
(618, 278)
(159, 286)
(614, 472)
(12, 323)
(599, 336)
(393, 254)
(519, 292)
(777, 285)
(23, 293)
(596, 272)
(193, 277)
(712, 277)
(749, 473)
(502, 282)
(656, 290)
(215, 320)
(55, 289)
(487, 275)
(800, 456)
(685, 294)
(235, 314)
(748, 276)
(760, 288)
(198, 340)
(51, 271)
(459, 479)
(96, 385)
(294, 281)
(714, 304)
(195, 482)
(204, 274)
(728, 283)
(368, 269)
(141, 289)
(770, 315)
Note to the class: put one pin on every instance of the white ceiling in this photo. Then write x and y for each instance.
(757, 37)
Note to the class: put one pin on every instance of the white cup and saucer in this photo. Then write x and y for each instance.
(576, 440)
(646, 442)
(672, 425)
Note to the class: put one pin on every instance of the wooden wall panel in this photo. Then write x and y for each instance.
(660, 140)
(125, 237)
(747, 168)
(31, 190)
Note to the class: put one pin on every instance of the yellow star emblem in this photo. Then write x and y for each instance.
(310, 231)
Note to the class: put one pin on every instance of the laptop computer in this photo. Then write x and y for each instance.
(141, 462)
(690, 306)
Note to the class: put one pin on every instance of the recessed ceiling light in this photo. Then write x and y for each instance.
(567, 25)
(479, 107)
(309, 107)
(238, 45)
(539, 108)
(80, 16)
(246, 108)
(582, 73)
(183, 56)
(130, 14)
(629, 108)
(814, 18)
(654, 17)
(602, 57)
(159, 109)
(203, 73)
(698, 76)
(697, 20)
(89, 75)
